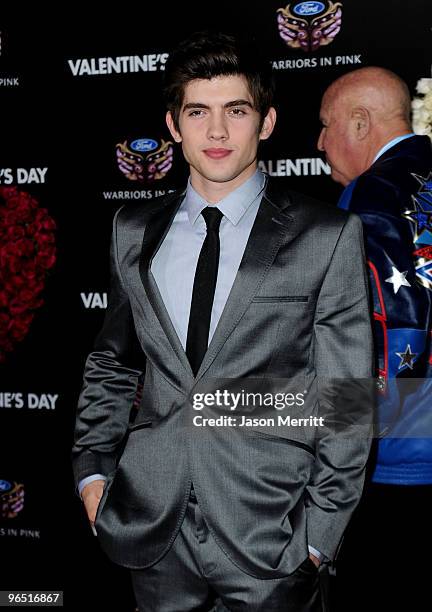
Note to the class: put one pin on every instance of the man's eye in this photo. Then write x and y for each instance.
(237, 112)
(196, 113)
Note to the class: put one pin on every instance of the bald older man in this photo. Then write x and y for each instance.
(386, 170)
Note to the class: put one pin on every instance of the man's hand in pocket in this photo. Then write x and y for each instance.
(91, 496)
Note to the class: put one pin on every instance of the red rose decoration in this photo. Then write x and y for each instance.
(27, 252)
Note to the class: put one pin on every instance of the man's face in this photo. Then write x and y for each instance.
(338, 140)
(219, 129)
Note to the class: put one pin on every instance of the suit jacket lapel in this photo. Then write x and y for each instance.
(271, 229)
(155, 231)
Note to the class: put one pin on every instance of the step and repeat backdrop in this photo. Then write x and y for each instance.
(80, 95)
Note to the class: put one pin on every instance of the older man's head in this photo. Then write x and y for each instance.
(361, 112)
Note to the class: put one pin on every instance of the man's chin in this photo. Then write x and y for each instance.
(220, 175)
(339, 178)
(222, 171)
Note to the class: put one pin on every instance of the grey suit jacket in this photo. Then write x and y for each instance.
(298, 309)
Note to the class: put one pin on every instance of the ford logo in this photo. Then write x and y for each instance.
(143, 144)
(309, 8)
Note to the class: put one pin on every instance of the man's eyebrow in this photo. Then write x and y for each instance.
(194, 105)
(239, 102)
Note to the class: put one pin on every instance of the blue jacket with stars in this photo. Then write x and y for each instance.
(394, 200)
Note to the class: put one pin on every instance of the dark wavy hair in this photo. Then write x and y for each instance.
(205, 55)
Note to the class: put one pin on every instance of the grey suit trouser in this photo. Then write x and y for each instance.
(196, 575)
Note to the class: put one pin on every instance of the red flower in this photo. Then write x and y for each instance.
(27, 251)
(20, 326)
(15, 232)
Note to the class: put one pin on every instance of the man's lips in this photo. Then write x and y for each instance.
(217, 153)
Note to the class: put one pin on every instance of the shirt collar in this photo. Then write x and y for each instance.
(391, 144)
(233, 206)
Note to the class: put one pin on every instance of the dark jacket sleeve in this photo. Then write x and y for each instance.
(343, 359)
(111, 377)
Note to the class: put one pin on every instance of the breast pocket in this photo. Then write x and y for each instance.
(273, 299)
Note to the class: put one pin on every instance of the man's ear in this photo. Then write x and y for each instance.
(361, 120)
(268, 124)
(172, 128)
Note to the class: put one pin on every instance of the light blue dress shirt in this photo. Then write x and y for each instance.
(174, 265)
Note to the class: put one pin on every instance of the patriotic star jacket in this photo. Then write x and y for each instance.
(394, 200)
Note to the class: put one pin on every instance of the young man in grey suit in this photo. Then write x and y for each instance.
(231, 278)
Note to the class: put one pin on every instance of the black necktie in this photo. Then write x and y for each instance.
(203, 290)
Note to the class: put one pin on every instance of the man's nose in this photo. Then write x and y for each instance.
(217, 128)
(320, 143)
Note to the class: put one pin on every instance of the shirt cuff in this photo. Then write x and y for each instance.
(85, 481)
(316, 553)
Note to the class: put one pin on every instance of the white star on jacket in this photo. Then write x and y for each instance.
(398, 279)
(406, 358)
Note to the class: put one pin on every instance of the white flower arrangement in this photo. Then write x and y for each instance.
(422, 108)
